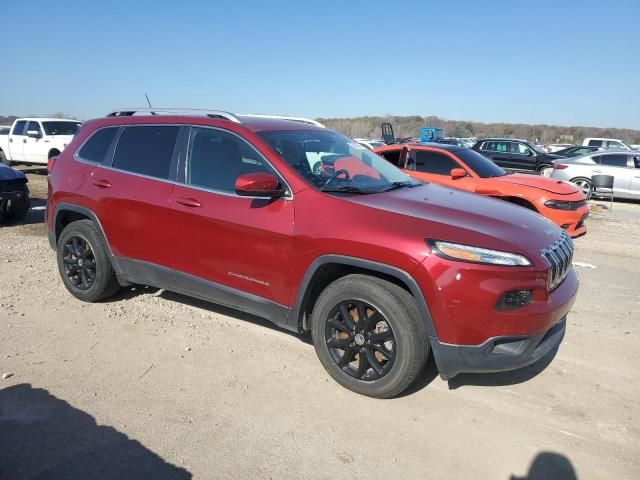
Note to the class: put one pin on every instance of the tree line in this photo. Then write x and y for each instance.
(409, 126)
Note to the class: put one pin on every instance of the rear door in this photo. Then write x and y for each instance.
(131, 193)
(228, 241)
(35, 150)
(500, 152)
(17, 137)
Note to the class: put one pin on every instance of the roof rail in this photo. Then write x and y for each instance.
(281, 117)
(128, 112)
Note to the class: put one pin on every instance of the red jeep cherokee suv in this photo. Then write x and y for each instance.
(290, 221)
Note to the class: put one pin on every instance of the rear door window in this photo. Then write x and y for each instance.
(18, 128)
(595, 143)
(613, 160)
(392, 156)
(433, 162)
(95, 149)
(146, 150)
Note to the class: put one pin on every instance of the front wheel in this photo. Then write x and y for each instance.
(369, 336)
(583, 184)
(545, 170)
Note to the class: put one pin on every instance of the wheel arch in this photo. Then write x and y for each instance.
(53, 152)
(66, 213)
(523, 202)
(328, 268)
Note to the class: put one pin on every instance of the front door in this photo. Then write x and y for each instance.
(230, 245)
(634, 187)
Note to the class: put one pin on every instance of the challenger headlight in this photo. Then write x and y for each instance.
(561, 205)
(467, 253)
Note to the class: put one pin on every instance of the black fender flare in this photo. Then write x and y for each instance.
(383, 268)
(70, 207)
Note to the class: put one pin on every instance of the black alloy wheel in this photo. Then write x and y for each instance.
(360, 340)
(79, 263)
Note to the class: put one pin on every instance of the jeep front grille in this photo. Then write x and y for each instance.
(559, 256)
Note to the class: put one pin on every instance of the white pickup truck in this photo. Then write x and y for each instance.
(35, 140)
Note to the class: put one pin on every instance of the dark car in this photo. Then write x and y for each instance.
(14, 194)
(309, 229)
(576, 151)
(515, 154)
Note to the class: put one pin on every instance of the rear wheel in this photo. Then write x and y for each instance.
(4, 159)
(83, 262)
(369, 336)
(582, 183)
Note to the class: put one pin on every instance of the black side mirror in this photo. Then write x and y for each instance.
(34, 134)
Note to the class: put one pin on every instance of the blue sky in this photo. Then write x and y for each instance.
(557, 62)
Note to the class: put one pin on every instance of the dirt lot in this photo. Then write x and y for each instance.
(155, 385)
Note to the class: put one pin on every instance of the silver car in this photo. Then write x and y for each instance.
(623, 166)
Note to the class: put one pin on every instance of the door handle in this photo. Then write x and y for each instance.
(11, 140)
(188, 202)
(597, 171)
(102, 183)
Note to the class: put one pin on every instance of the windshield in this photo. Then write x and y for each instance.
(61, 128)
(334, 163)
(481, 165)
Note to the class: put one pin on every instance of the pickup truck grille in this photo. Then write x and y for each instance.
(14, 185)
(559, 256)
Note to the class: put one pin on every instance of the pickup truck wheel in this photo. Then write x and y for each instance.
(3, 159)
(369, 336)
(83, 262)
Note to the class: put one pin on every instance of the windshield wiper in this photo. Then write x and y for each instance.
(396, 185)
(344, 189)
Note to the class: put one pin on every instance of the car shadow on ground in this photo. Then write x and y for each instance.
(549, 466)
(42, 436)
(499, 379)
(131, 292)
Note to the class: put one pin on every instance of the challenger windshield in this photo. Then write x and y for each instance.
(334, 163)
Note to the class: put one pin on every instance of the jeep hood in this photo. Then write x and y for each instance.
(548, 184)
(8, 173)
(467, 218)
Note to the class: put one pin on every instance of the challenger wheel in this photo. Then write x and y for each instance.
(83, 262)
(369, 336)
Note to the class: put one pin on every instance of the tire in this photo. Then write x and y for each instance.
(392, 307)
(4, 159)
(102, 282)
(582, 183)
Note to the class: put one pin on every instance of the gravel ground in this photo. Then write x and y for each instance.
(152, 384)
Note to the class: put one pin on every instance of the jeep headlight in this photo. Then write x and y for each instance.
(467, 253)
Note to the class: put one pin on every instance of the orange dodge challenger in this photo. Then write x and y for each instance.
(466, 169)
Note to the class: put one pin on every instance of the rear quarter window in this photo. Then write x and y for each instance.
(146, 150)
(97, 146)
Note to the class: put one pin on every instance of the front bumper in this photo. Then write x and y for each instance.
(497, 354)
(572, 221)
(13, 200)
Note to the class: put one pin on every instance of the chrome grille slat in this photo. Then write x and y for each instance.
(558, 256)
